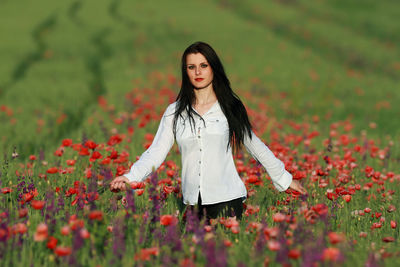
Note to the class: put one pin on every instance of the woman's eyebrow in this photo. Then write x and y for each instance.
(195, 64)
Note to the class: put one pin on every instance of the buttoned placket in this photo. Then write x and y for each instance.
(200, 142)
(199, 134)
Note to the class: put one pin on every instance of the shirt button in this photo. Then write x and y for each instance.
(201, 149)
(199, 174)
(199, 161)
(198, 136)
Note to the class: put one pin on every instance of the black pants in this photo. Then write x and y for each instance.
(225, 209)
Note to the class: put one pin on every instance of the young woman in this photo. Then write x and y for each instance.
(209, 122)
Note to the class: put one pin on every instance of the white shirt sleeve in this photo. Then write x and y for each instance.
(275, 168)
(152, 158)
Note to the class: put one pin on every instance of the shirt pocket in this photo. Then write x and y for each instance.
(183, 130)
(217, 125)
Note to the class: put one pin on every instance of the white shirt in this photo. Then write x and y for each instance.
(207, 165)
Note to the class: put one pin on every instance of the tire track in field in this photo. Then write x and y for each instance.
(113, 10)
(75, 117)
(73, 11)
(365, 28)
(94, 64)
(38, 35)
(340, 54)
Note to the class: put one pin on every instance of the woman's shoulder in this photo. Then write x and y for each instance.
(170, 110)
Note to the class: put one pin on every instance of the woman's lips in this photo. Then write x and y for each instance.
(198, 79)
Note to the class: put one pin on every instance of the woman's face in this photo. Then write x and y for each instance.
(199, 71)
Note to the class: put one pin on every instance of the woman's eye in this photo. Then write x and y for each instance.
(204, 66)
(190, 67)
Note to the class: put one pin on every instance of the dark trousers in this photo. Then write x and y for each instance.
(225, 209)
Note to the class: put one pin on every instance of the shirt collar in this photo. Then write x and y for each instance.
(215, 107)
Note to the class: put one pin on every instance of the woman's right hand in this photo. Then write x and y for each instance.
(119, 184)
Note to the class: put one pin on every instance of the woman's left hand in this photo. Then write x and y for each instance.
(295, 185)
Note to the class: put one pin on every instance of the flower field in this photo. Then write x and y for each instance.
(81, 98)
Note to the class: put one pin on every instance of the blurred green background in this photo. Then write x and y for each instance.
(335, 59)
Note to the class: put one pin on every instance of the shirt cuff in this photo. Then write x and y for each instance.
(283, 183)
(131, 175)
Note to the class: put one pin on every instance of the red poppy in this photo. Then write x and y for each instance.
(67, 142)
(227, 243)
(19, 228)
(335, 238)
(95, 155)
(52, 242)
(84, 152)
(62, 251)
(114, 140)
(321, 209)
(168, 189)
(253, 179)
(298, 175)
(208, 228)
(59, 152)
(168, 220)
(32, 157)
(170, 173)
(22, 212)
(137, 185)
(391, 208)
(84, 233)
(96, 215)
(90, 144)
(393, 224)
(76, 224)
(347, 198)
(376, 225)
(271, 232)
(139, 192)
(279, 217)
(273, 245)
(167, 181)
(331, 254)
(38, 204)
(105, 161)
(331, 195)
(29, 196)
(294, 253)
(113, 154)
(71, 162)
(363, 234)
(6, 190)
(41, 232)
(388, 239)
(145, 253)
(52, 170)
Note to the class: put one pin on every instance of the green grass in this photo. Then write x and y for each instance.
(332, 59)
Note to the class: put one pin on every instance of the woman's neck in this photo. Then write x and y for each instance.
(205, 96)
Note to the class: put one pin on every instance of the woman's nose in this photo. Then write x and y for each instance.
(198, 71)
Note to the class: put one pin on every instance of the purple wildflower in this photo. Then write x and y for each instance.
(372, 261)
(41, 155)
(50, 211)
(142, 237)
(260, 243)
(215, 256)
(155, 211)
(60, 203)
(118, 238)
(130, 201)
(192, 220)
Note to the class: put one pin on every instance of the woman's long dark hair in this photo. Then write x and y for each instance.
(231, 105)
